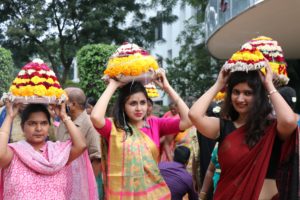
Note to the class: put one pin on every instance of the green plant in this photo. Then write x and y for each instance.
(6, 69)
(91, 61)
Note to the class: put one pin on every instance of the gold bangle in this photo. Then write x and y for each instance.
(66, 119)
(272, 92)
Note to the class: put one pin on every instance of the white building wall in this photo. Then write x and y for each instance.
(170, 48)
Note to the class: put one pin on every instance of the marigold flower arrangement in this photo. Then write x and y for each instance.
(245, 60)
(151, 90)
(130, 60)
(274, 54)
(36, 83)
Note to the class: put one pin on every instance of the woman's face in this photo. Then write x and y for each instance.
(36, 128)
(136, 107)
(242, 98)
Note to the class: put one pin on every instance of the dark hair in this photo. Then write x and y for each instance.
(34, 108)
(288, 94)
(260, 109)
(149, 100)
(91, 101)
(182, 154)
(119, 116)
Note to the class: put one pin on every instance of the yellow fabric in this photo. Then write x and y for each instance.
(131, 170)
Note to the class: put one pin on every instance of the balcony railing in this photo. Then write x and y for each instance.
(218, 12)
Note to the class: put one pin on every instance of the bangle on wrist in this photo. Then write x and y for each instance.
(66, 119)
(272, 92)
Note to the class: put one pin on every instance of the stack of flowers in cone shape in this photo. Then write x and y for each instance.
(245, 60)
(274, 54)
(36, 83)
(151, 90)
(131, 62)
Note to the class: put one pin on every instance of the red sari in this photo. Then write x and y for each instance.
(244, 169)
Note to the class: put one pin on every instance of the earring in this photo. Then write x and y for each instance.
(126, 127)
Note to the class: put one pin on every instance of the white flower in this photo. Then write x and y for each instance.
(30, 71)
(22, 72)
(38, 60)
(216, 109)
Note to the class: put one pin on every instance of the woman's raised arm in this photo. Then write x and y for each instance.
(183, 109)
(208, 126)
(98, 113)
(286, 118)
(78, 140)
(6, 154)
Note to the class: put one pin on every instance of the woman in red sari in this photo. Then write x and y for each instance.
(251, 141)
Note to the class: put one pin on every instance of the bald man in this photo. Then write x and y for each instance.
(76, 110)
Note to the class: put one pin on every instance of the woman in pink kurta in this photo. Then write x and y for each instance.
(40, 169)
(130, 140)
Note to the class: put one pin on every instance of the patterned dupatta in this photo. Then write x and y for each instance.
(244, 178)
(130, 167)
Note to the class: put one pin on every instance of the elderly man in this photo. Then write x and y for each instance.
(76, 110)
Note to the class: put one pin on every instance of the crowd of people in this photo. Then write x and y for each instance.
(77, 150)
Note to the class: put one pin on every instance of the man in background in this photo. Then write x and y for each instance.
(179, 181)
(75, 106)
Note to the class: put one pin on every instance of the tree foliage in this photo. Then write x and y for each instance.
(194, 70)
(54, 30)
(6, 69)
(91, 61)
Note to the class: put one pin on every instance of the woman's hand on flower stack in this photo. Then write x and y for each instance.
(11, 108)
(59, 110)
(222, 78)
(161, 80)
(267, 79)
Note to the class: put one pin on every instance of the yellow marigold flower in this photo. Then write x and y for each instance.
(14, 90)
(51, 91)
(132, 65)
(50, 80)
(27, 90)
(36, 79)
(39, 90)
(220, 96)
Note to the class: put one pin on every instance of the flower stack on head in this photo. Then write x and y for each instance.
(151, 90)
(131, 62)
(36, 83)
(274, 54)
(245, 60)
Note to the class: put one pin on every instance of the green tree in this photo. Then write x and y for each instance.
(6, 69)
(55, 30)
(91, 61)
(197, 69)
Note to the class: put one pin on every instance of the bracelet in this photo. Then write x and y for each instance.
(272, 92)
(66, 119)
